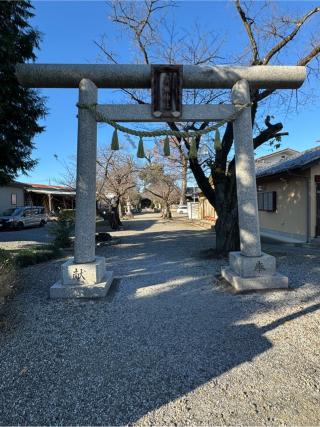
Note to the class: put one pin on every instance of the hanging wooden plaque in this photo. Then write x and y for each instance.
(166, 91)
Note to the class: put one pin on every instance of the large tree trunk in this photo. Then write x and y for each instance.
(184, 170)
(227, 231)
(166, 212)
(117, 213)
(223, 197)
(227, 225)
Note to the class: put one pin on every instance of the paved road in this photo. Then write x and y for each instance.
(22, 238)
(170, 345)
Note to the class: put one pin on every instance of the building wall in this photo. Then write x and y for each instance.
(5, 197)
(315, 170)
(290, 217)
(206, 210)
(193, 210)
(275, 157)
(57, 201)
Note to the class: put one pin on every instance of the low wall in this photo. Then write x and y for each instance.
(206, 210)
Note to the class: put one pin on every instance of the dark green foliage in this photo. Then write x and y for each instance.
(103, 237)
(62, 229)
(20, 108)
(7, 273)
(12, 259)
(36, 254)
(6, 261)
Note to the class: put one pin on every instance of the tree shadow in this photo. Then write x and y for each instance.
(291, 256)
(163, 332)
(140, 223)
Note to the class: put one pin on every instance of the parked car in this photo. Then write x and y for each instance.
(135, 210)
(20, 217)
(182, 209)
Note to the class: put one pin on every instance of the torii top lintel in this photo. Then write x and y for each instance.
(139, 76)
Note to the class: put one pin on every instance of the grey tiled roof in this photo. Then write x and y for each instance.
(297, 161)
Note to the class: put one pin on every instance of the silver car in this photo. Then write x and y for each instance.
(26, 216)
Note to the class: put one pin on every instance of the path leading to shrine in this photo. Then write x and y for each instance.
(169, 345)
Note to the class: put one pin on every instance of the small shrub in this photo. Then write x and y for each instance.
(62, 229)
(12, 260)
(103, 237)
(6, 261)
(7, 273)
(36, 254)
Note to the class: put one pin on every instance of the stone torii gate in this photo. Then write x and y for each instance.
(85, 275)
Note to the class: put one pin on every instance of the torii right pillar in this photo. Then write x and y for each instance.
(249, 269)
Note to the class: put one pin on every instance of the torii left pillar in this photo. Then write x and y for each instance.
(85, 275)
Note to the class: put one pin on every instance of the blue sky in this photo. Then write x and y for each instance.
(69, 30)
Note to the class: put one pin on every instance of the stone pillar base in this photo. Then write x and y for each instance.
(253, 273)
(90, 280)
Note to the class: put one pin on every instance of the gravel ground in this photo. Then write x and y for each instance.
(170, 344)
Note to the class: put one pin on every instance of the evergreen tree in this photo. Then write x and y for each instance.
(20, 107)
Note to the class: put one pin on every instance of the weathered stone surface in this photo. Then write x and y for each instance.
(97, 290)
(142, 113)
(85, 227)
(249, 269)
(252, 266)
(86, 280)
(275, 281)
(139, 75)
(83, 274)
(245, 173)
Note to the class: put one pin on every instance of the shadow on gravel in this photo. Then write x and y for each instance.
(34, 234)
(163, 331)
(293, 316)
(141, 224)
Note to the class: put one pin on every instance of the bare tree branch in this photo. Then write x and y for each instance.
(290, 36)
(247, 22)
(311, 55)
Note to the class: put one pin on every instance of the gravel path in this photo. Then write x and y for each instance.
(170, 344)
